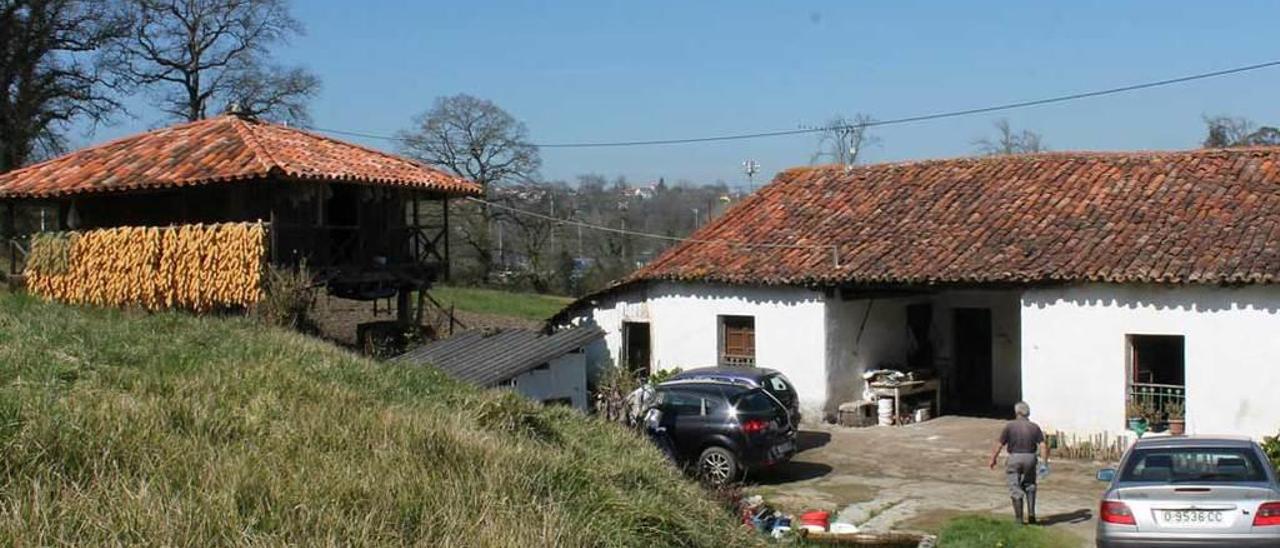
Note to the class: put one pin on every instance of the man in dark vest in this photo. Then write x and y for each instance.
(1021, 438)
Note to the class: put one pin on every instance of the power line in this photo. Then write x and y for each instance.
(873, 123)
(835, 257)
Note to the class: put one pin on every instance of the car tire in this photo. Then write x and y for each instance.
(718, 466)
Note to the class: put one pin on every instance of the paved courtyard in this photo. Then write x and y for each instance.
(916, 477)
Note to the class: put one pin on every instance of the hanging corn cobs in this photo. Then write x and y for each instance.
(196, 267)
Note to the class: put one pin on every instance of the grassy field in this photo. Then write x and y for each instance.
(989, 532)
(529, 306)
(167, 429)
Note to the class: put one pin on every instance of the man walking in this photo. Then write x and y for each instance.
(1021, 438)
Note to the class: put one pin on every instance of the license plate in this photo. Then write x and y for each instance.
(783, 448)
(1192, 518)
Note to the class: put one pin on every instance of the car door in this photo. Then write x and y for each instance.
(700, 415)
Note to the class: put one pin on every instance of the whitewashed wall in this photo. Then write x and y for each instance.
(1074, 348)
(684, 330)
(566, 377)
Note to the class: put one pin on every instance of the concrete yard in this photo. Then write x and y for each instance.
(916, 477)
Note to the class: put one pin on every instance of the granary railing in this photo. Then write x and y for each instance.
(15, 254)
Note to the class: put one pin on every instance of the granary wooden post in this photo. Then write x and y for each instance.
(10, 231)
(448, 265)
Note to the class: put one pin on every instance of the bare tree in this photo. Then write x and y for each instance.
(198, 54)
(53, 72)
(843, 139)
(1008, 141)
(476, 139)
(1234, 131)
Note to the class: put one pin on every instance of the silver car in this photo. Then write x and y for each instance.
(1190, 491)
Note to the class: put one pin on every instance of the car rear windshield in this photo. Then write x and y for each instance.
(754, 402)
(1194, 464)
(780, 388)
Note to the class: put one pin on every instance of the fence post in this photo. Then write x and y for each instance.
(451, 311)
(10, 227)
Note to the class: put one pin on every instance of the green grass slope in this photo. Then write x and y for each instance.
(167, 429)
(528, 306)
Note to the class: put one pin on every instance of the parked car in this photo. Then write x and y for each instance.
(1190, 491)
(777, 384)
(724, 429)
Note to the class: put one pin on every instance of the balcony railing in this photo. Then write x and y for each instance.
(1158, 396)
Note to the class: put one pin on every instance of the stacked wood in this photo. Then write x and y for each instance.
(193, 267)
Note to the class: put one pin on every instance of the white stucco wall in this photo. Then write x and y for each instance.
(1074, 354)
(684, 329)
(566, 377)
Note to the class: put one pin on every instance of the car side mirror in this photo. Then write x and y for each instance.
(1107, 474)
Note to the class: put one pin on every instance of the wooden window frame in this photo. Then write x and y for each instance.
(736, 344)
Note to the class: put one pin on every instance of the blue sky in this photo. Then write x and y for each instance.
(602, 70)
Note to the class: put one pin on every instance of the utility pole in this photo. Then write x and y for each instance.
(751, 167)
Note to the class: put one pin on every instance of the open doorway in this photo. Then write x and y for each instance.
(636, 351)
(972, 378)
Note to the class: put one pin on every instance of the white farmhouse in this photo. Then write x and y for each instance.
(1074, 281)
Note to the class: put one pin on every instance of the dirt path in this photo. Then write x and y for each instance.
(917, 477)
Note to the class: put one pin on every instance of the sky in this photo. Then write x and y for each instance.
(605, 71)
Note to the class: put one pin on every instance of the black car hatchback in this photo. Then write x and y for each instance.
(774, 382)
(724, 429)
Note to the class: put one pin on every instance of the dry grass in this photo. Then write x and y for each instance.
(167, 429)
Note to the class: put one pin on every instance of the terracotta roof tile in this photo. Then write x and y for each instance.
(225, 148)
(1204, 216)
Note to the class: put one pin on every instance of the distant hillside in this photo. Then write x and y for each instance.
(167, 429)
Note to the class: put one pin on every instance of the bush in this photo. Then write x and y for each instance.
(1271, 444)
(289, 299)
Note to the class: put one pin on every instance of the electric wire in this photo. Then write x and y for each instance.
(570, 222)
(872, 123)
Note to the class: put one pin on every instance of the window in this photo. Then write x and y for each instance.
(1157, 373)
(1199, 464)
(738, 340)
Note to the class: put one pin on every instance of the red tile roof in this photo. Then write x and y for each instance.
(221, 149)
(1205, 216)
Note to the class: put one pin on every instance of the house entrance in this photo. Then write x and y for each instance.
(636, 349)
(972, 377)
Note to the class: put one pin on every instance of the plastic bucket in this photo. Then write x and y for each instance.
(884, 408)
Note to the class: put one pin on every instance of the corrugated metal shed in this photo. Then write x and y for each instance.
(487, 357)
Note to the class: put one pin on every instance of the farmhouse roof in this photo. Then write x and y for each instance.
(1203, 216)
(487, 357)
(221, 149)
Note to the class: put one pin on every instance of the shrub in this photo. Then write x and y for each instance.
(289, 299)
(1271, 444)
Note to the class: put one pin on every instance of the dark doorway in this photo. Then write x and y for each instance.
(342, 219)
(636, 350)
(971, 383)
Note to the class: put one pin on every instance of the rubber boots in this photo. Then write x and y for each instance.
(1031, 506)
(1017, 509)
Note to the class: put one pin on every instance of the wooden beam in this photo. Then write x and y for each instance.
(448, 265)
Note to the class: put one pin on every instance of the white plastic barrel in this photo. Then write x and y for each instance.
(885, 411)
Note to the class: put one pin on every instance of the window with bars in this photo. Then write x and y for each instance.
(738, 340)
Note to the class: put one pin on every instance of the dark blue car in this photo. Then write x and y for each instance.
(772, 381)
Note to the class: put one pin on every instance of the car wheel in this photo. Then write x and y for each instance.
(718, 466)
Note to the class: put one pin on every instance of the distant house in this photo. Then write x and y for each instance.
(1075, 281)
(550, 368)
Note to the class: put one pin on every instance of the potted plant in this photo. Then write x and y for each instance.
(1176, 413)
(1138, 413)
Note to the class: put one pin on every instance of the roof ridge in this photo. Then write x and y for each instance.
(242, 127)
